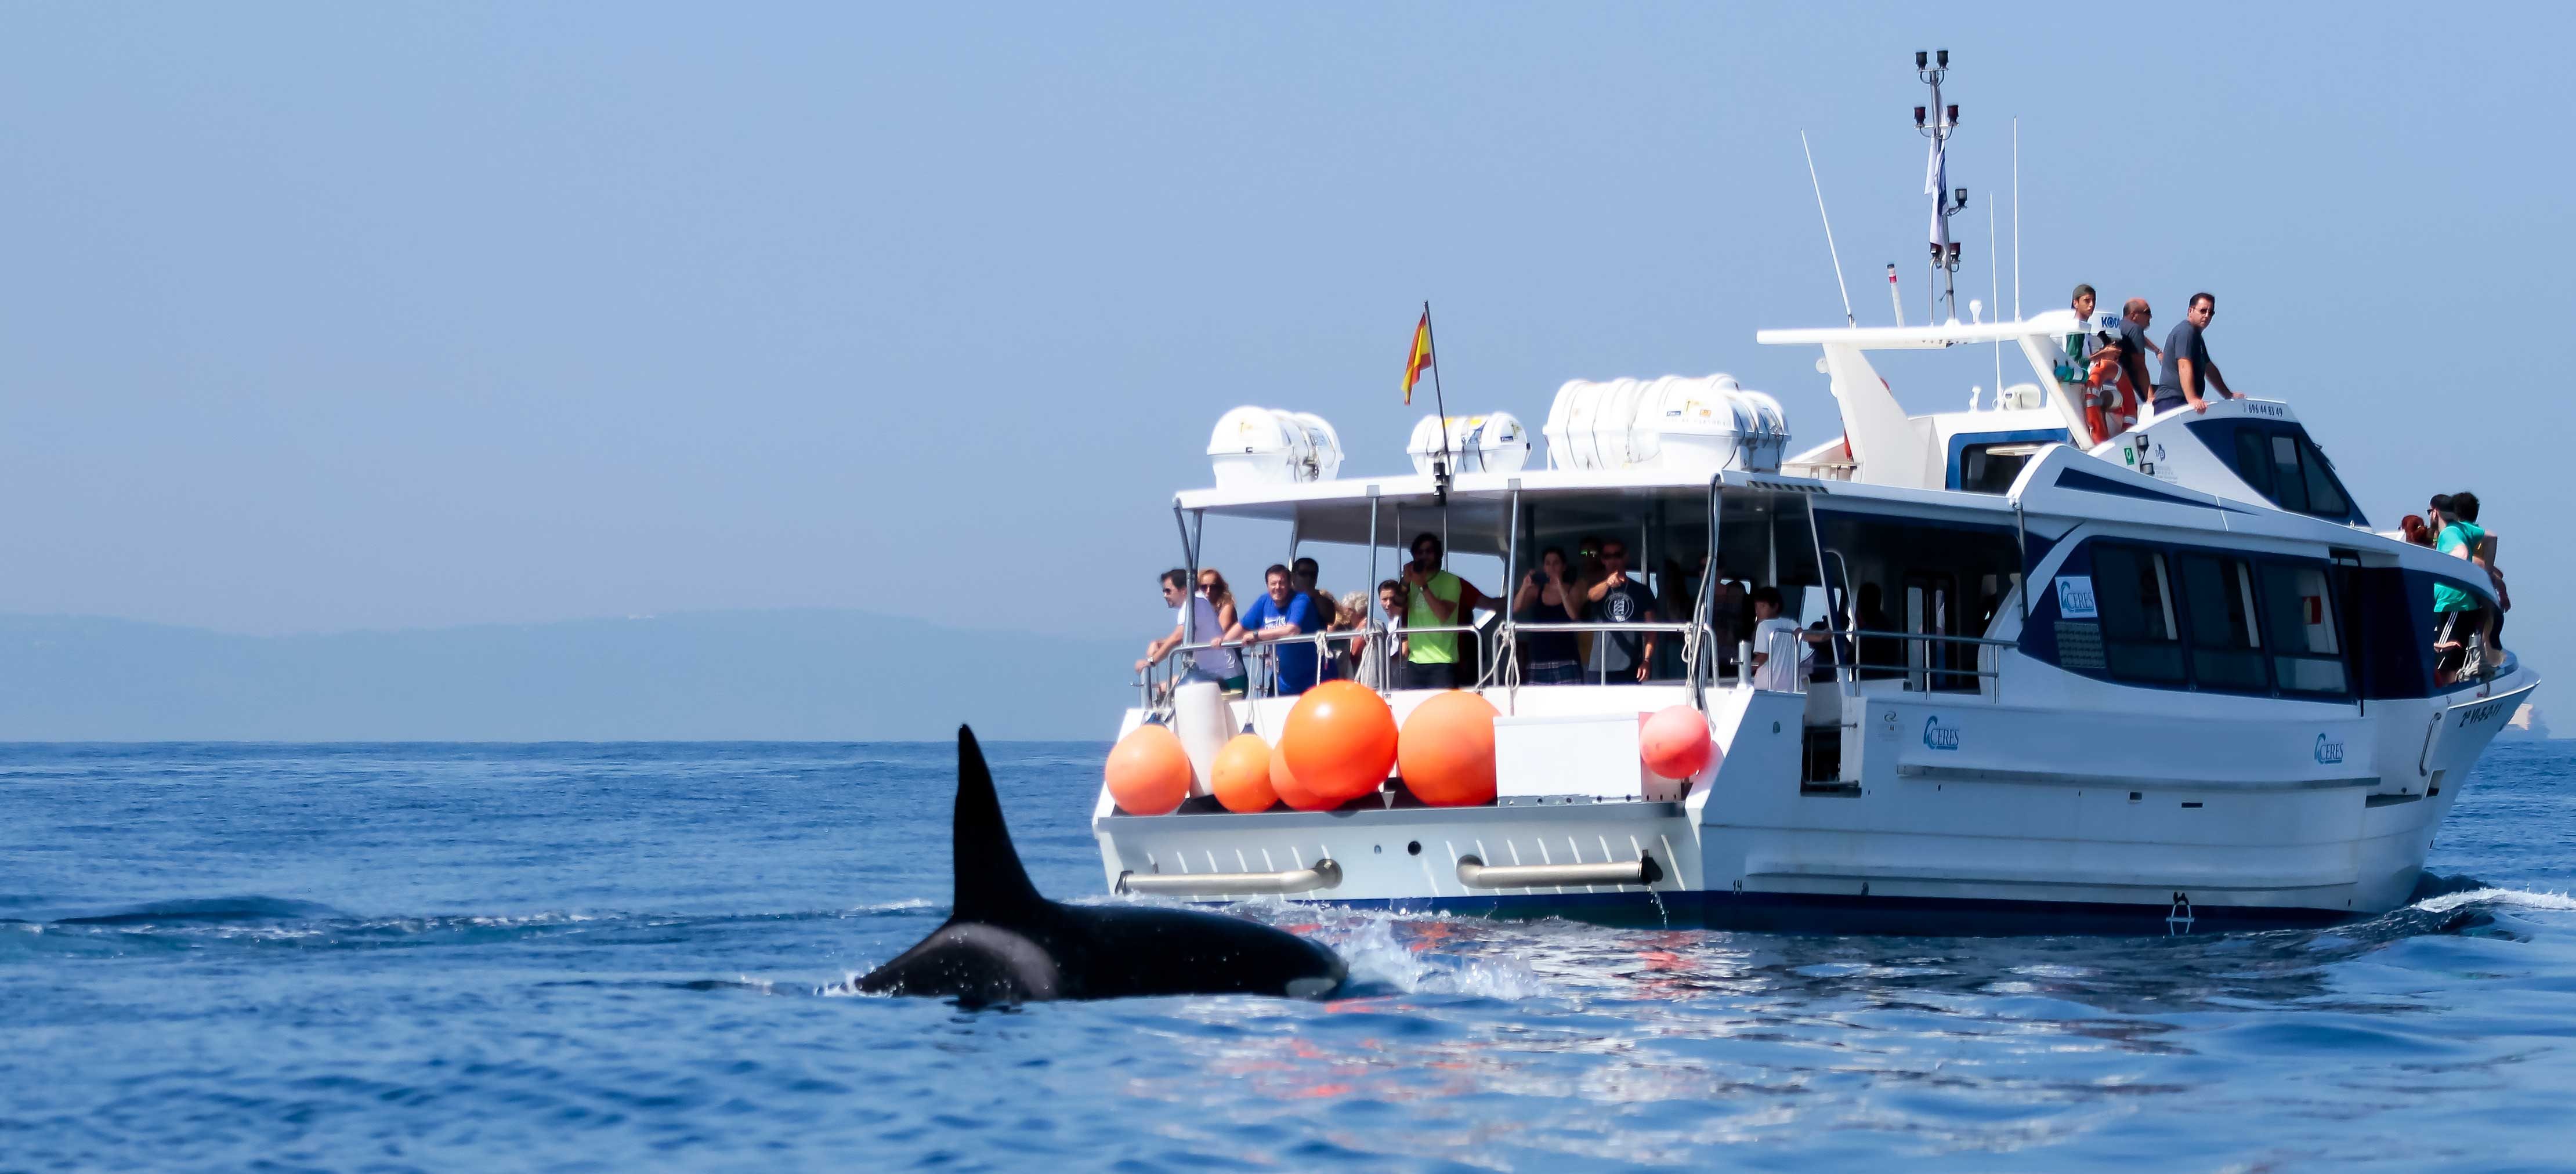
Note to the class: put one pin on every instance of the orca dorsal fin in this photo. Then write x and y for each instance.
(991, 886)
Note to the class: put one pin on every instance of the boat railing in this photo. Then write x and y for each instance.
(1702, 662)
(1506, 669)
(1921, 672)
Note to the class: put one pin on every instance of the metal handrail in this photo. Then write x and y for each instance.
(1850, 673)
(1501, 642)
(1322, 874)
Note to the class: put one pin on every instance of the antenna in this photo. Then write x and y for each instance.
(1892, 298)
(1830, 250)
(1994, 277)
(2016, 218)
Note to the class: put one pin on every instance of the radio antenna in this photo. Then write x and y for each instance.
(1830, 250)
(1994, 277)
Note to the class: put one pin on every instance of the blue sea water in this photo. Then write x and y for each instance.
(606, 957)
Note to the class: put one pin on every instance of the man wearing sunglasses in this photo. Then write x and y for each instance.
(1434, 598)
(2188, 371)
(1619, 598)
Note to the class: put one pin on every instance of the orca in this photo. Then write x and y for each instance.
(1005, 944)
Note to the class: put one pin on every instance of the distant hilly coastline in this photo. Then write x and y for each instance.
(713, 676)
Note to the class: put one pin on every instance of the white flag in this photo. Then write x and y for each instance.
(1936, 184)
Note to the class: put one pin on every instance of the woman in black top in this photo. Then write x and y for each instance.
(1547, 597)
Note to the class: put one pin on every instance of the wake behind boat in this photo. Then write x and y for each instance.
(2032, 667)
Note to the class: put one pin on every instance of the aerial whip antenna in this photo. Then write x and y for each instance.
(1830, 250)
(1994, 280)
(2016, 218)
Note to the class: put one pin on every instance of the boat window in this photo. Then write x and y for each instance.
(2281, 463)
(2226, 650)
(1992, 468)
(2299, 612)
(2252, 462)
(1917, 587)
(2134, 591)
(2289, 481)
(2325, 493)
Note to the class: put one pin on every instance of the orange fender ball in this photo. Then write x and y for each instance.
(1340, 740)
(1242, 775)
(1148, 772)
(1674, 742)
(1291, 792)
(1446, 753)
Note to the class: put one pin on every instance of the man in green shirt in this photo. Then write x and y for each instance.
(1434, 598)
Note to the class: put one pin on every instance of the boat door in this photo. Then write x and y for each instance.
(1932, 608)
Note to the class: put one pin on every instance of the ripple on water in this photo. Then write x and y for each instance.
(593, 957)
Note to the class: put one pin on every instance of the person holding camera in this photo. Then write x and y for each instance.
(1547, 595)
(1621, 598)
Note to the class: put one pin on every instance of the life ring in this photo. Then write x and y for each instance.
(2108, 411)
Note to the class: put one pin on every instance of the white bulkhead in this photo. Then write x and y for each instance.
(1693, 427)
(1268, 446)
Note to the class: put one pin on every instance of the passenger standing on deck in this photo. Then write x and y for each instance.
(2188, 372)
(2079, 345)
(1208, 664)
(1220, 595)
(1548, 596)
(1620, 599)
(2129, 388)
(2457, 533)
(1349, 650)
(1284, 613)
(1434, 598)
(1768, 624)
(1303, 574)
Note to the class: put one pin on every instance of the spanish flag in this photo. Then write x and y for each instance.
(1421, 356)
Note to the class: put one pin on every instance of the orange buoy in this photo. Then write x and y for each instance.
(1446, 751)
(1674, 742)
(1290, 791)
(1340, 740)
(1241, 776)
(1148, 772)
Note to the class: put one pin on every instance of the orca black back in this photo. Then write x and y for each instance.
(1004, 942)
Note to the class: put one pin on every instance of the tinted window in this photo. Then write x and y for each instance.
(2325, 494)
(1983, 470)
(2134, 591)
(2289, 481)
(2280, 463)
(2253, 460)
(2226, 650)
(2299, 615)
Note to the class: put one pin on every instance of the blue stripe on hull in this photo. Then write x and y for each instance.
(1817, 913)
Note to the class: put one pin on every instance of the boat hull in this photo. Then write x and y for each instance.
(2273, 820)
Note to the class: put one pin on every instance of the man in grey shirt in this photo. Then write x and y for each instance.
(2187, 367)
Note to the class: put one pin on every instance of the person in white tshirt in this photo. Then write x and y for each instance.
(1209, 664)
(1783, 676)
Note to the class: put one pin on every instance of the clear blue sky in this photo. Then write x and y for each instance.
(324, 317)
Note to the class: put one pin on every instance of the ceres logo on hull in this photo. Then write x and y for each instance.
(1939, 737)
(2328, 751)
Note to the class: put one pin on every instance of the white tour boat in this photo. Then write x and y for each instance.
(2167, 680)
